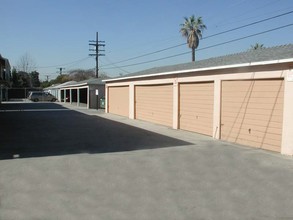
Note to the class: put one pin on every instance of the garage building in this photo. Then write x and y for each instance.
(85, 93)
(244, 98)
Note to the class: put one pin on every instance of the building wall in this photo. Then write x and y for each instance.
(95, 99)
(276, 71)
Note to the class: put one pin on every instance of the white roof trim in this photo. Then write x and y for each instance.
(74, 85)
(77, 87)
(204, 69)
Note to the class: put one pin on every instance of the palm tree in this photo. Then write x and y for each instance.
(192, 29)
(257, 46)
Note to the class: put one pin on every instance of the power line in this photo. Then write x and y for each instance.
(73, 62)
(247, 25)
(116, 66)
(215, 45)
(223, 32)
(147, 54)
(249, 11)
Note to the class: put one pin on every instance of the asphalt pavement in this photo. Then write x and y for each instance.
(63, 162)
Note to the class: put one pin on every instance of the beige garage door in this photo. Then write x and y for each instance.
(118, 100)
(154, 104)
(196, 103)
(252, 113)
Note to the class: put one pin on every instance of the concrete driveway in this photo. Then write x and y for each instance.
(88, 165)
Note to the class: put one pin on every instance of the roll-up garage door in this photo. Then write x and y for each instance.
(154, 104)
(118, 100)
(252, 113)
(196, 104)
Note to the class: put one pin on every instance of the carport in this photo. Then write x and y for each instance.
(85, 93)
(56, 90)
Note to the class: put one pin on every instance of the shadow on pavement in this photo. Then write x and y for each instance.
(22, 106)
(48, 133)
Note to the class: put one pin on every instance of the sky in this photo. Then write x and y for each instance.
(56, 33)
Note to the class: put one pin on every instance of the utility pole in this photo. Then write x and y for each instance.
(60, 70)
(97, 44)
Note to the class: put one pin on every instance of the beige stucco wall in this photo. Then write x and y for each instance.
(217, 76)
(287, 135)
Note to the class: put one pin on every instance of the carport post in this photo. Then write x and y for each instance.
(217, 108)
(1, 93)
(59, 95)
(64, 91)
(70, 96)
(88, 97)
(131, 101)
(106, 98)
(78, 97)
(175, 103)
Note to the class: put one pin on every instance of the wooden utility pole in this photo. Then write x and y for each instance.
(60, 70)
(97, 44)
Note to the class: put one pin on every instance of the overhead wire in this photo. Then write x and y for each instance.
(64, 64)
(125, 71)
(147, 54)
(204, 48)
(213, 35)
(249, 11)
(179, 45)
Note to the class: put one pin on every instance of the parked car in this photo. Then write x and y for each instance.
(36, 96)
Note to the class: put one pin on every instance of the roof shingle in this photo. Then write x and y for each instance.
(259, 55)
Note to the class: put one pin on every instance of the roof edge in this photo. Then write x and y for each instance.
(260, 63)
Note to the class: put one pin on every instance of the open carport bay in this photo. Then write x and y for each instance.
(170, 178)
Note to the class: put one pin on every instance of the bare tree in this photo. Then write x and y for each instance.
(26, 63)
(80, 74)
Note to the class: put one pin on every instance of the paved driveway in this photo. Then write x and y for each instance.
(84, 166)
(48, 129)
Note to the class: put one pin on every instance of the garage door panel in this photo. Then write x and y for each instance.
(242, 101)
(234, 105)
(265, 144)
(199, 98)
(232, 116)
(266, 95)
(242, 85)
(199, 114)
(196, 101)
(201, 124)
(248, 124)
(188, 104)
(154, 103)
(259, 111)
(272, 133)
(119, 100)
(270, 147)
(252, 112)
